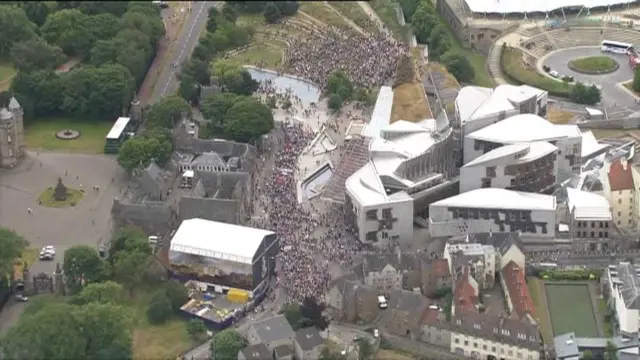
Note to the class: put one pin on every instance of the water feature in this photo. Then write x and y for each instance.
(305, 90)
(313, 184)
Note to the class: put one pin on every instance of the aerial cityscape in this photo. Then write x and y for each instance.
(391, 179)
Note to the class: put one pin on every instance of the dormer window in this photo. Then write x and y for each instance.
(477, 326)
(9, 139)
(459, 322)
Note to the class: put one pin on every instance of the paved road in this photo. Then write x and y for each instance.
(612, 94)
(195, 22)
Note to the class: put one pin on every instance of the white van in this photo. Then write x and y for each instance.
(382, 302)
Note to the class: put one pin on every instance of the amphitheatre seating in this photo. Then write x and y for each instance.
(529, 31)
(577, 36)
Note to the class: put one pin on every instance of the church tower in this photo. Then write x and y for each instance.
(12, 144)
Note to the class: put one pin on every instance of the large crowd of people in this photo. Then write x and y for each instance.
(368, 61)
(303, 263)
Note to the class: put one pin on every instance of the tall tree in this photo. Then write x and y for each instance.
(82, 266)
(272, 13)
(107, 331)
(42, 88)
(247, 120)
(167, 112)
(130, 269)
(226, 344)
(107, 292)
(15, 27)
(215, 107)
(36, 54)
(458, 65)
(68, 29)
(128, 239)
(12, 246)
(37, 11)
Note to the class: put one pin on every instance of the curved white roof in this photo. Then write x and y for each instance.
(531, 6)
(506, 155)
(381, 113)
(495, 198)
(524, 128)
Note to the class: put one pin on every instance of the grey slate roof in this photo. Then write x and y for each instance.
(256, 352)
(151, 181)
(209, 159)
(222, 210)
(565, 346)
(309, 338)
(283, 350)
(401, 262)
(219, 185)
(494, 328)
(408, 301)
(629, 287)
(273, 329)
(502, 242)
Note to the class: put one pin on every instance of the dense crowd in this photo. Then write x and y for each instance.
(307, 240)
(368, 61)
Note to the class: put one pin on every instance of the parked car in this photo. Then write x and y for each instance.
(554, 73)
(21, 298)
(47, 253)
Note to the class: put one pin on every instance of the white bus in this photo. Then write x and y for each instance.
(616, 47)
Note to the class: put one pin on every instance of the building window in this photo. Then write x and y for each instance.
(386, 213)
(619, 201)
(475, 345)
(493, 349)
(593, 234)
(457, 341)
(491, 171)
(466, 343)
(372, 215)
(10, 152)
(619, 213)
(513, 181)
(593, 224)
(9, 139)
(486, 183)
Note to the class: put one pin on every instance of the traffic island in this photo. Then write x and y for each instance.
(594, 65)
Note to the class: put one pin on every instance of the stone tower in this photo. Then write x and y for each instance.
(11, 134)
(136, 110)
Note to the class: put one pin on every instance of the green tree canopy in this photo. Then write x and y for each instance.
(138, 152)
(215, 107)
(107, 292)
(116, 8)
(439, 42)
(424, 20)
(272, 13)
(37, 11)
(128, 239)
(582, 94)
(167, 112)
(159, 310)
(196, 328)
(82, 266)
(69, 30)
(226, 344)
(36, 54)
(97, 93)
(176, 293)
(287, 8)
(247, 120)
(458, 65)
(15, 27)
(12, 246)
(233, 78)
(129, 268)
(41, 88)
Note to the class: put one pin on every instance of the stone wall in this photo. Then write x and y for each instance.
(624, 123)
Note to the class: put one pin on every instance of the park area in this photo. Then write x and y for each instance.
(41, 135)
(517, 72)
(571, 309)
(593, 64)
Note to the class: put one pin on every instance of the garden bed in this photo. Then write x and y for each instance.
(594, 65)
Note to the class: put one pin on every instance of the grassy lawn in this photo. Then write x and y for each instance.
(47, 198)
(558, 116)
(409, 103)
(353, 11)
(266, 54)
(517, 72)
(478, 61)
(167, 341)
(602, 309)
(324, 14)
(594, 64)
(571, 310)
(41, 134)
(535, 289)
(387, 13)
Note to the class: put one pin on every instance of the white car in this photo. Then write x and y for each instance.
(554, 73)
(376, 333)
(49, 249)
(46, 255)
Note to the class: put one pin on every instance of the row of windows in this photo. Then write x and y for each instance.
(494, 349)
(373, 214)
(600, 234)
(584, 224)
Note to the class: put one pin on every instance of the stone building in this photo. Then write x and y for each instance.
(11, 134)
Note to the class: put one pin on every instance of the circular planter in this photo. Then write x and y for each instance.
(615, 66)
(68, 134)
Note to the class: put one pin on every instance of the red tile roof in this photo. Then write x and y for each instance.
(620, 176)
(440, 267)
(517, 289)
(465, 296)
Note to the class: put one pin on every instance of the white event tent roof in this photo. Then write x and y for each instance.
(532, 6)
(218, 240)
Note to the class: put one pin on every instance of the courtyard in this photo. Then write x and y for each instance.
(86, 223)
(571, 308)
(41, 135)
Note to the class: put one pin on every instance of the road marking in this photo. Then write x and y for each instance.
(184, 46)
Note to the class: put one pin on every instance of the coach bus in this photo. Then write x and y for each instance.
(616, 47)
(117, 135)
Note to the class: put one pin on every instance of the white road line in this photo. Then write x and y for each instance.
(186, 42)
